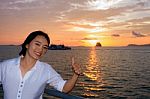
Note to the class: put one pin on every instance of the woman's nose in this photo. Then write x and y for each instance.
(40, 48)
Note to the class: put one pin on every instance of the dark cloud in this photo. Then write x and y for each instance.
(86, 38)
(138, 34)
(115, 35)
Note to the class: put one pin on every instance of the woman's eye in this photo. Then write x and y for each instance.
(37, 44)
(45, 47)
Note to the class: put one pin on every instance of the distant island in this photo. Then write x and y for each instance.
(98, 44)
(58, 47)
(148, 45)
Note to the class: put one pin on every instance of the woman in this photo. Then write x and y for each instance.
(25, 77)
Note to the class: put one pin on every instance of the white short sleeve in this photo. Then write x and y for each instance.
(55, 80)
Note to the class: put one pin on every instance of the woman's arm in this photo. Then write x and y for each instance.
(69, 85)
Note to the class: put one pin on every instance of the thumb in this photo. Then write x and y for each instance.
(72, 61)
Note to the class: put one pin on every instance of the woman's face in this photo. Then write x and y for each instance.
(37, 47)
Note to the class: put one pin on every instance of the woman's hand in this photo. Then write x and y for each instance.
(76, 67)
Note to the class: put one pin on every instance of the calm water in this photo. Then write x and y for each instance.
(108, 72)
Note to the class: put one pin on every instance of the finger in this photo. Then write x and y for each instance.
(77, 69)
(72, 61)
(78, 72)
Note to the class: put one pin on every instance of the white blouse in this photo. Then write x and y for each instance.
(32, 85)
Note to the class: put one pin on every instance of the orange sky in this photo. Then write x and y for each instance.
(82, 23)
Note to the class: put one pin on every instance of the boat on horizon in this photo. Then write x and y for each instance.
(58, 47)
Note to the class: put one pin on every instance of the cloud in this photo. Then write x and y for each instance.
(93, 5)
(137, 34)
(115, 35)
(23, 1)
(96, 4)
(84, 26)
(119, 11)
(126, 16)
(83, 16)
(51, 5)
(87, 30)
(113, 13)
(89, 38)
(19, 4)
(101, 4)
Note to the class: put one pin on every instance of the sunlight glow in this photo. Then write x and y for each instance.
(87, 30)
(102, 4)
(87, 26)
(92, 42)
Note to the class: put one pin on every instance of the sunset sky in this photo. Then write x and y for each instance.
(77, 22)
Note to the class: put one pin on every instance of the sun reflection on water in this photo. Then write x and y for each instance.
(92, 73)
(93, 69)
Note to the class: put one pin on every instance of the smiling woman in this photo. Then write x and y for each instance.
(30, 75)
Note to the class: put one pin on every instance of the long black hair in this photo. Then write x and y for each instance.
(30, 37)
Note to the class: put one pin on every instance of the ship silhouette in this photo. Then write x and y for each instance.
(58, 47)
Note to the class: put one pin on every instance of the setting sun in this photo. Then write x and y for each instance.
(92, 42)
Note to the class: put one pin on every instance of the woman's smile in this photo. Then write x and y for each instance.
(38, 53)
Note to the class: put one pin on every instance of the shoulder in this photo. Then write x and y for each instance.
(8, 64)
(45, 65)
(47, 68)
(9, 61)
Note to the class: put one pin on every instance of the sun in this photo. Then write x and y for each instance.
(92, 42)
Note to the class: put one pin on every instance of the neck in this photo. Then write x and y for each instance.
(27, 62)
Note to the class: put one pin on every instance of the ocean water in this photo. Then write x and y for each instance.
(108, 72)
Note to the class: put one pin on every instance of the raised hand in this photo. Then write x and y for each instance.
(76, 67)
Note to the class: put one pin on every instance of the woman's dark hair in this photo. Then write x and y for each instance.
(30, 37)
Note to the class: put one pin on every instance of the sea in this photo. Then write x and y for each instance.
(107, 72)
